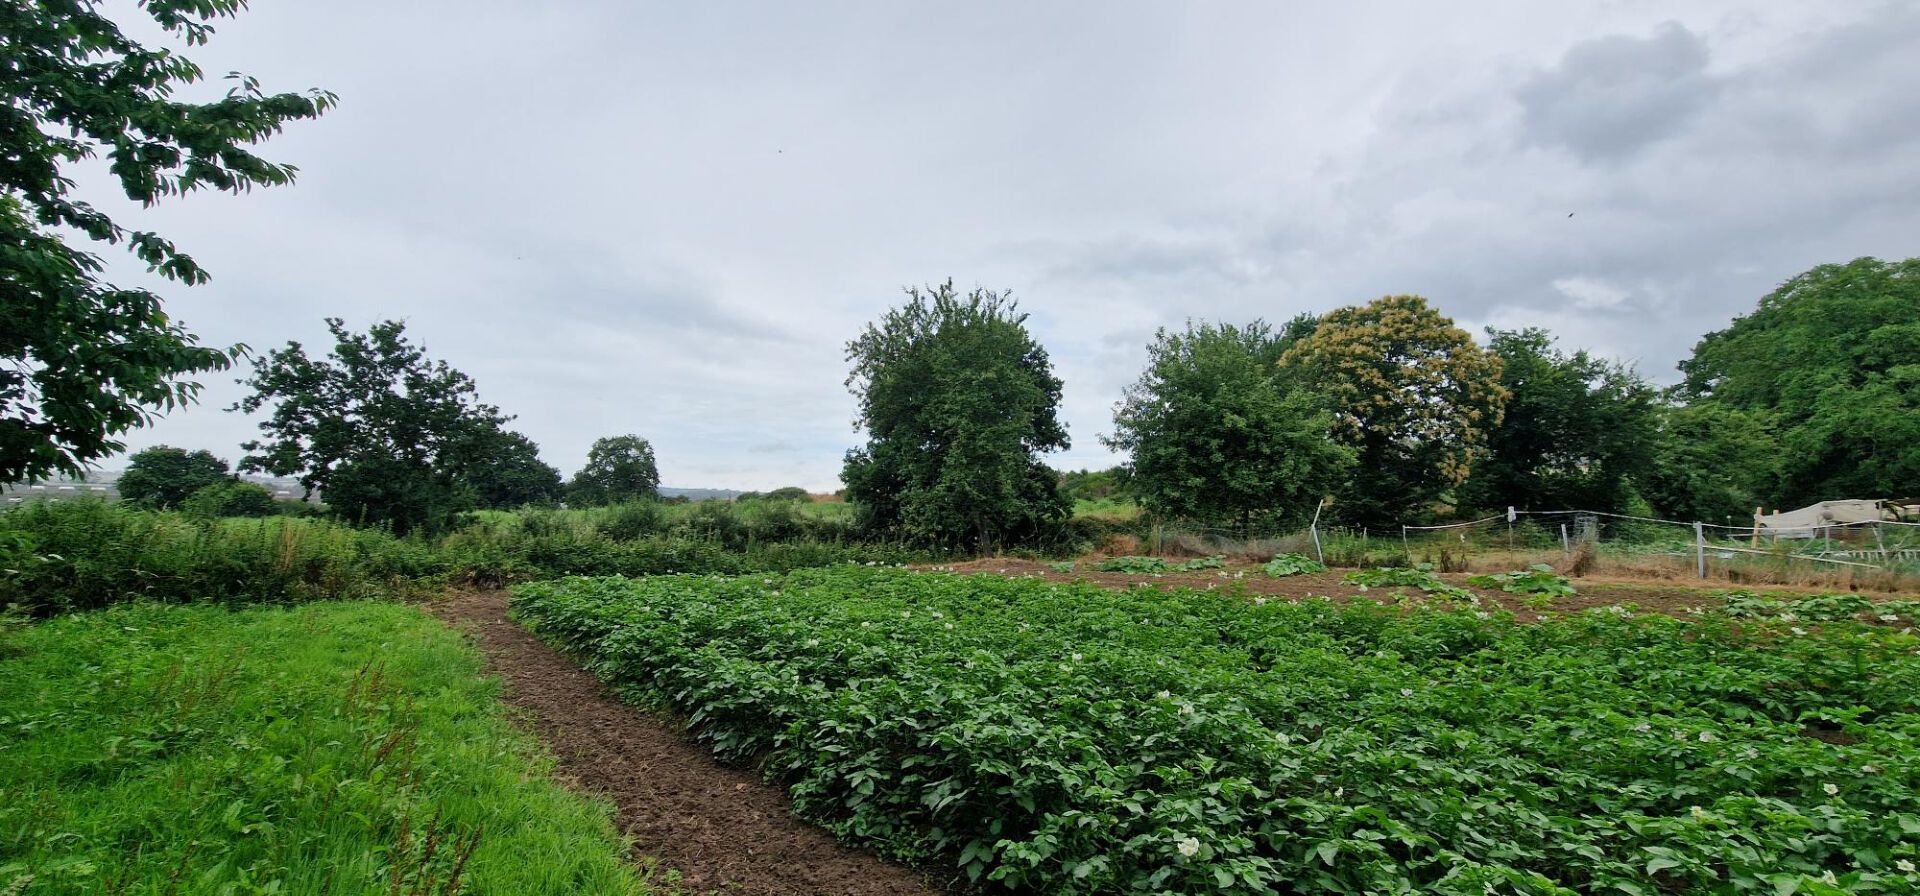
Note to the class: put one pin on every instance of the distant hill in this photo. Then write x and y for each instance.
(701, 494)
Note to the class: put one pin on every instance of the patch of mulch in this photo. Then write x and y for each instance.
(1651, 596)
(722, 829)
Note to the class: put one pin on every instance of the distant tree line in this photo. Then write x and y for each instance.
(1399, 416)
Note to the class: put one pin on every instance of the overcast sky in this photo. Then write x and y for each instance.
(669, 219)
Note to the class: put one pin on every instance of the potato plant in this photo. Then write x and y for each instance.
(1293, 565)
(1065, 739)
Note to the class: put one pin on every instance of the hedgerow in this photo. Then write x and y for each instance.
(1062, 738)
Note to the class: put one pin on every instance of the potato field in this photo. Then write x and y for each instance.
(1060, 738)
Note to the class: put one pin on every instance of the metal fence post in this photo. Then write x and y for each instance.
(1700, 546)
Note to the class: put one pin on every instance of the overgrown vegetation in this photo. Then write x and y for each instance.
(330, 748)
(85, 555)
(1069, 739)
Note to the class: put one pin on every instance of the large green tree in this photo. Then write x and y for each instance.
(1712, 463)
(164, 476)
(1411, 394)
(958, 402)
(1833, 356)
(386, 435)
(507, 472)
(1575, 430)
(619, 469)
(1215, 437)
(82, 360)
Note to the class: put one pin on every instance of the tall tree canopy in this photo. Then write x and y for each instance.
(1833, 355)
(958, 402)
(507, 472)
(83, 361)
(385, 434)
(1712, 463)
(1214, 437)
(164, 476)
(619, 468)
(1411, 394)
(1575, 430)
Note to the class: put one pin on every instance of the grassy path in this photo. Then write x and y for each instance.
(329, 748)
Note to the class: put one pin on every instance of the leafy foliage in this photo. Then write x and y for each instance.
(1066, 739)
(1214, 437)
(164, 476)
(1411, 394)
(1134, 565)
(389, 436)
(1833, 355)
(1574, 431)
(507, 472)
(1419, 576)
(958, 401)
(1712, 463)
(1536, 579)
(1820, 608)
(84, 360)
(229, 498)
(1293, 565)
(1156, 565)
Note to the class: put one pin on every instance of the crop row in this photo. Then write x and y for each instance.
(1069, 739)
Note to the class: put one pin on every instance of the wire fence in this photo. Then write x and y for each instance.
(1876, 555)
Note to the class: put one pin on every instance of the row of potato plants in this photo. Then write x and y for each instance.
(1062, 738)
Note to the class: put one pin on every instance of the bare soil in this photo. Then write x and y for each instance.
(1656, 596)
(721, 829)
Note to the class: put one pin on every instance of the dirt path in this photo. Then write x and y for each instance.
(721, 828)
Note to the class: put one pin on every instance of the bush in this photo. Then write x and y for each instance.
(230, 498)
(631, 520)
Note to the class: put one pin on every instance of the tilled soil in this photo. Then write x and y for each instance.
(722, 829)
(1653, 597)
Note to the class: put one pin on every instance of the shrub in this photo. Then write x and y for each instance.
(631, 520)
(230, 498)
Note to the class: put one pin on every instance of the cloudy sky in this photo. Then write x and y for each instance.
(669, 219)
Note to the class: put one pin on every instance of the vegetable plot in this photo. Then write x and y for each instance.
(1069, 739)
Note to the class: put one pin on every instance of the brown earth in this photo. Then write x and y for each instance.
(1652, 596)
(721, 829)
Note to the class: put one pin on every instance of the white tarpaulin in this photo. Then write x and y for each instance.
(1813, 520)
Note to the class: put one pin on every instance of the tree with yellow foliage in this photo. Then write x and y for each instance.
(1411, 394)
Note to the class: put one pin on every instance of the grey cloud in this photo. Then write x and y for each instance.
(1608, 98)
(669, 219)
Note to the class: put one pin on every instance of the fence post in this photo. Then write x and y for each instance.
(1404, 546)
(1700, 546)
(1313, 529)
(1566, 546)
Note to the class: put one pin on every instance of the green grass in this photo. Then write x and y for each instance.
(1066, 739)
(339, 748)
(1106, 508)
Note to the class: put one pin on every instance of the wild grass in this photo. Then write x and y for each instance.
(84, 555)
(330, 748)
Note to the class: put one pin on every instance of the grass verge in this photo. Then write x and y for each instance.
(328, 748)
